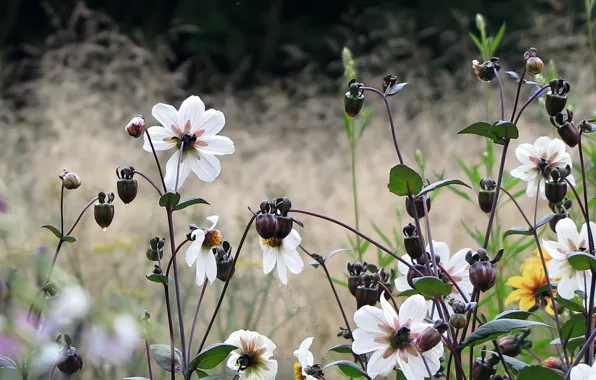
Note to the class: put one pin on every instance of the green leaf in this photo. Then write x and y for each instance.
(189, 202)
(533, 372)
(211, 356)
(570, 305)
(497, 40)
(545, 220)
(407, 293)
(397, 87)
(430, 286)
(162, 355)
(54, 230)
(572, 344)
(218, 376)
(169, 199)
(493, 329)
(342, 348)
(581, 261)
(514, 314)
(573, 327)
(481, 128)
(475, 40)
(404, 180)
(68, 239)
(516, 231)
(505, 130)
(439, 184)
(201, 374)
(159, 278)
(514, 364)
(348, 368)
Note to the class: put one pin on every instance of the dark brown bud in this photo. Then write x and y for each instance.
(367, 293)
(72, 363)
(127, 186)
(569, 133)
(486, 71)
(136, 126)
(266, 225)
(104, 211)
(155, 250)
(429, 338)
(412, 242)
(224, 260)
(417, 271)
(353, 99)
(355, 270)
(482, 370)
(284, 226)
(418, 205)
(483, 275)
(457, 320)
(458, 307)
(555, 191)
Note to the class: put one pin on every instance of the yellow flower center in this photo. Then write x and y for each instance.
(272, 242)
(298, 372)
(213, 238)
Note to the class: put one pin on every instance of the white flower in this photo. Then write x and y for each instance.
(283, 253)
(117, 344)
(253, 357)
(583, 372)
(200, 251)
(305, 360)
(392, 339)
(197, 129)
(456, 266)
(568, 241)
(535, 158)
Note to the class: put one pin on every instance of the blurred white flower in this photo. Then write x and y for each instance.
(200, 251)
(253, 357)
(392, 339)
(283, 253)
(569, 240)
(305, 360)
(456, 266)
(117, 344)
(536, 158)
(583, 372)
(197, 129)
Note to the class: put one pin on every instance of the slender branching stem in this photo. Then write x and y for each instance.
(148, 359)
(500, 93)
(170, 330)
(530, 100)
(174, 255)
(156, 160)
(62, 209)
(493, 211)
(150, 181)
(194, 320)
(521, 211)
(519, 85)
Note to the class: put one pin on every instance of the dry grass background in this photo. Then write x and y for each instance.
(92, 84)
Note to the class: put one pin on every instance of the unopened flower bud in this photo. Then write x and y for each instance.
(355, 270)
(284, 226)
(418, 205)
(354, 99)
(458, 307)
(127, 186)
(412, 242)
(486, 71)
(482, 370)
(569, 134)
(486, 195)
(136, 126)
(155, 250)
(556, 98)
(483, 275)
(555, 191)
(534, 64)
(283, 205)
(225, 261)
(429, 338)
(72, 363)
(104, 211)
(552, 362)
(266, 225)
(367, 293)
(457, 320)
(70, 180)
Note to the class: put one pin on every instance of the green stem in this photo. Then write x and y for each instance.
(355, 191)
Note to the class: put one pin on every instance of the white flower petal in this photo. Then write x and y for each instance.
(583, 235)
(269, 258)
(160, 137)
(200, 270)
(524, 152)
(567, 234)
(541, 145)
(401, 284)
(213, 219)
(167, 116)
(293, 261)
(292, 241)
(571, 179)
(555, 249)
(305, 357)
(412, 366)
(216, 145)
(390, 314)
(556, 150)
(369, 318)
(440, 249)
(211, 122)
(191, 112)
(532, 188)
(458, 261)
(582, 372)
(195, 247)
(403, 268)
(525, 172)
(566, 287)
(282, 269)
(413, 310)
(557, 268)
(172, 170)
(379, 365)
(365, 342)
(206, 166)
(210, 264)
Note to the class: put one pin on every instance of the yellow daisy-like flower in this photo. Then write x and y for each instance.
(527, 284)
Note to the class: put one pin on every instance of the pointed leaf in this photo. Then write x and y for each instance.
(54, 230)
(493, 329)
(514, 314)
(533, 372)
(545, 220)
(8, 363)
(516, 231)
(403, 179)
(189, 202)
(342, 348)
(169, 199)
(395, 88)
(69, 239)
(570, 305)
(156, 277)
(162, 355)
(348, 368)
(439, 184)
(512, 74)
(407, 293)
(480, 128)
(333, 253)
(505, 129)
(581, 261)
(211, 356)
(573, 327)
(515, 364)
(430, 286)
(572, 344)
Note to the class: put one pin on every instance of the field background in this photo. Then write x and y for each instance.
(67, 96)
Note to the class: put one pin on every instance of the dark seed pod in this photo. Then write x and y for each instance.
(418, 206)
(225, 261)
(569, 133)
(429, 338)
(553, 222)
(483, 275)
(555, 191)
(353, 100)
(104, 211)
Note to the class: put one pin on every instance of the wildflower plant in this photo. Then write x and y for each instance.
(420, 315)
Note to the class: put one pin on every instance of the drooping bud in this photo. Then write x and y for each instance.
(534, 64)
(355, 270)
(70, 180)
(385, 278)
(155, 250)
(127, 186)
(104, 211)
(136, 126)
(367, 293)
(556, 98)
(418, 207)
(484, 369)
(283, 205)
(486, 195)
(552, 362)
(512, 345)
(457, 320)
(486, 71)
(555, 187)
(412, 242)
(483, 274)
(569, 133)
(353, 99)
(72, 363)
(429, 338)
(459, 307)
(225, 261)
